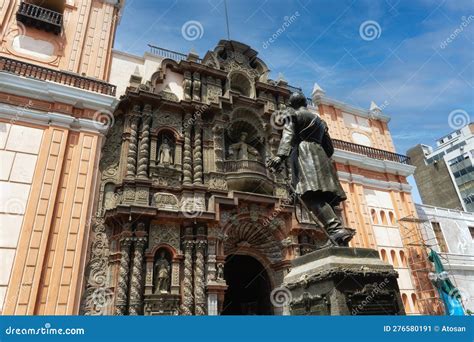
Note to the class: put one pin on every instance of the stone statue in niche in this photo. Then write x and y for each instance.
(220, 272)
(243, 151)
(165, 155)
(162, 270)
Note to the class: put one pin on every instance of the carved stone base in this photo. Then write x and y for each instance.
(163, 304)
(343, 281)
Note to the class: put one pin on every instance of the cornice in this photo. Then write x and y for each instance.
(55, 92)
(27, 115)
(364, 162)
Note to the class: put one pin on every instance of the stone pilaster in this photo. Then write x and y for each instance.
(122, 286)
(133, 143)
(197, 155)
(188, 300)
(136, 283)
(187, 159)
(144, 151)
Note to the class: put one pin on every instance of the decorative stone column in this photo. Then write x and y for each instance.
(187, 160)
(133, 142)
(144, 151)
(136, 283)
(122, 286)
(197, 155)
(199, 278)
(188, 300)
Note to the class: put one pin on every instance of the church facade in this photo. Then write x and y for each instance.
(188, 219)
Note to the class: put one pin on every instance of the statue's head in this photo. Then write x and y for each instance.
(243, 136)
(298, 100)
(162, 254)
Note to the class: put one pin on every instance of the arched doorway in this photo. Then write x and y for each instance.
(249, 287)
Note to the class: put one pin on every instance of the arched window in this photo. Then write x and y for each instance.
(241, 84)
(393, 254)
(392, 218)
(383, 217)
(403, 259)
(383, 255)
(415, 302)
(373, 214)
(406, 305)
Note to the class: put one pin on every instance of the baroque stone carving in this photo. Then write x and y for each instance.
(217, 182)
(164, 233)
(161, 119)
(132, 146)
(196, 86)
(187, 83)
(136, 282)
(98, 296)
(111, 151)
(166, 201)
(199, 279)
(197, 156)
(122, 286)
(188, 297)
(144, 153)
(187, 160)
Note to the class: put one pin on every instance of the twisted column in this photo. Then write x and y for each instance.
(144, 152)
(136, 286)
(199, 279)
(122, 287)
(188, 300)
(132, 146)
(197, 155)
(187, 160)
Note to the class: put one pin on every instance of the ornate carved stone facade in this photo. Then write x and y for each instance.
(177, 201)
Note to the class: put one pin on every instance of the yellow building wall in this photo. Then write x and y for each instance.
(47, 271)
(83, 47)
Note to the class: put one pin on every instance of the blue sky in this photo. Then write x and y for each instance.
(410, 66)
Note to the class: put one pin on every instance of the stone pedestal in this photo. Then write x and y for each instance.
(343, 281)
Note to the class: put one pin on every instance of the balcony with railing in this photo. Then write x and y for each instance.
(370, 152)
(40, 17)
(165, 53)
(56, 76)
(247, 175)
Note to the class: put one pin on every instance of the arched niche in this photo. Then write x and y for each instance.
(162, 272)
(160, 256)
(239, 82)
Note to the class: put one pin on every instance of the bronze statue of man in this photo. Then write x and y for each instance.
(308, 147)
